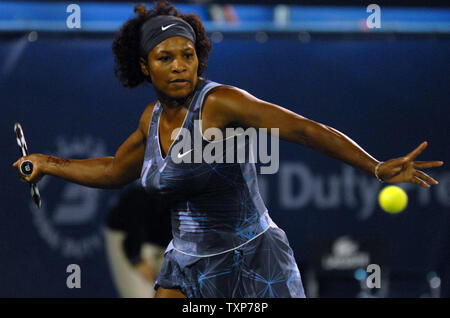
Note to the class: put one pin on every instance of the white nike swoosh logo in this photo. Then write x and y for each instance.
(164, 28)
(183, 154)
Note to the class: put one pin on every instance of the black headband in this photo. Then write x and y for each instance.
(162, 27)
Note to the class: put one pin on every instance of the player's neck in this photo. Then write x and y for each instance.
(171, 106)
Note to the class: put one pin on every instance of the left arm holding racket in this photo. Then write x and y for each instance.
(105, 172)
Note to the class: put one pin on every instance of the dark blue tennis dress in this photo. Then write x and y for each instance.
(224, 241)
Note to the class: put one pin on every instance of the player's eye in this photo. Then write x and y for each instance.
(164, 58)
(188, 55)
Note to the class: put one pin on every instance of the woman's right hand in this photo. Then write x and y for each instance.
(38, 161)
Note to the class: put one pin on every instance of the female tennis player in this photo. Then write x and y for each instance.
(224, 241)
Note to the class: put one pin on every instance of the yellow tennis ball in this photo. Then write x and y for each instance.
(393, 199)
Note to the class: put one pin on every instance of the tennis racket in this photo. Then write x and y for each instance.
(26, 167)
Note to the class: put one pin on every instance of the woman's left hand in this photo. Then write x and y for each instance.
(404, 169)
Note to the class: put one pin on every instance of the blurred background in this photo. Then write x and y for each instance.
(382, 80)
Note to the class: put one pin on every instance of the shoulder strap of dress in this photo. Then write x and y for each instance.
(154, 118)
(205, 89)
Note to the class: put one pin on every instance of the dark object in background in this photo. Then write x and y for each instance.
(143, 218)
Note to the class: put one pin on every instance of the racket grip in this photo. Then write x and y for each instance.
(36, 196)
(26, 167)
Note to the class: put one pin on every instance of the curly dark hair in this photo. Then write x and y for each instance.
(126, 43)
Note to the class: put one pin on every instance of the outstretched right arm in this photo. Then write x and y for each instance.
(104, 172)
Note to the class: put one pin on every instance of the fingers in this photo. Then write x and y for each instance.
(425, 177)
(420, 182)
(15, 164)
(413, 154)
(427, 164)
(23, 177)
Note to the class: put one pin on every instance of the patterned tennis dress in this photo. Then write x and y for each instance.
(224, 241)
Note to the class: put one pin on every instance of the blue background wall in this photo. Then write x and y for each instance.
(388, 95)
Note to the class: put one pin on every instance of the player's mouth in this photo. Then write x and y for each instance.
(179, 82)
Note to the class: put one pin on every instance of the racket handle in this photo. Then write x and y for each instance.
(35, 196)
(26, 167)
